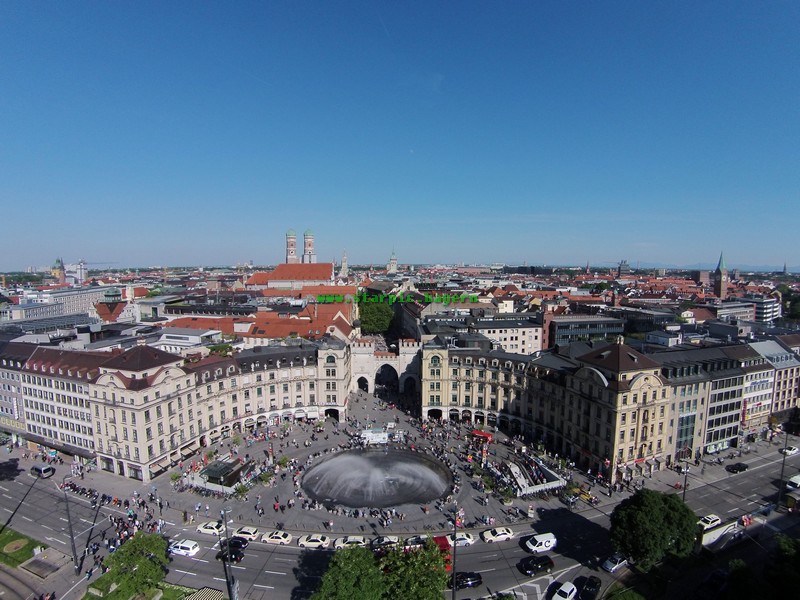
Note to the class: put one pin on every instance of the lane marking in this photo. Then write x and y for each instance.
(190, 573)
(5, 489)
(7, 496)
(274, 572)
(27, 519)
(486, 570)
(46, 527)
(218, 579)
(269, 587)
(733, 510)
(49, 539)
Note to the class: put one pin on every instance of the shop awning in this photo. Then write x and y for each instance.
(159, 466)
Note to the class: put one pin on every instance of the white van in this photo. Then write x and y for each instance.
(793, 483)
(541, 543)
(43, 471)
(184, 547)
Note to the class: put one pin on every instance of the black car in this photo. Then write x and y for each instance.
(591, 588)
(463, 580)
(235, 542)
(538, 563)
(737, 468)
(235, 556)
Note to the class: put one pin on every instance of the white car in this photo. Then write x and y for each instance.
(385, 541)
(314, 540)
(350, 541)
(212, 527)
(567, 591)
(709, 521)
(184, 548)
(790, 450)
(461, 539)
(415, 541)
(248, 533)
(498, 534)
(277, 537)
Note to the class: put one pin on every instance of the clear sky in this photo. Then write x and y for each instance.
(161, 133)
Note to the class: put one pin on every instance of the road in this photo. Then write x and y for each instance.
(37, 508)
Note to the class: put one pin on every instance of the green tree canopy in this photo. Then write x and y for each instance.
(650, 524)
(783, 573)
(419, 574)
(141, 562)
(375, 316)
(352, 574)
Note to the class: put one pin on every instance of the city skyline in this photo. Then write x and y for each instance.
(149, 134)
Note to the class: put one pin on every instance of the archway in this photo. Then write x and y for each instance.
(454, 415)
(363, 384)
(332, 413)
(387, 382)
(435, 413)
(479, 418)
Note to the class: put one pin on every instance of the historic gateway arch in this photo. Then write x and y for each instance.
(367, 360)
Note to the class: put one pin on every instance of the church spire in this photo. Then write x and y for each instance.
(721, 264)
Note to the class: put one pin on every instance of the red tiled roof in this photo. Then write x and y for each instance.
(110, 312)
(295, 272)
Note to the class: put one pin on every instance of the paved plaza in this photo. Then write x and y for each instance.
(268, 506)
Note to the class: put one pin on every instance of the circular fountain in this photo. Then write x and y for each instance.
(377, 479)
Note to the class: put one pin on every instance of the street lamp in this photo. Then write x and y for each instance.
(783, 468)
(69, 523)
(455, 545)
(230, 582)
(687, 452)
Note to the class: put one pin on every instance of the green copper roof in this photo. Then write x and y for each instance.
(721, 265)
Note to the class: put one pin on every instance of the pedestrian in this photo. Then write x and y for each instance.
(207, 509)
(89, 574)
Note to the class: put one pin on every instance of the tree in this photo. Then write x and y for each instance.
(783, 572)
(352, 574)
(649, 524)
(742, 583)
(375, 316)
(419, 574)
(140, 563)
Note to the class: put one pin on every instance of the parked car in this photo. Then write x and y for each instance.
(567, 591)
(462, 538)
(248, 533)
(277, 537)
(591, 588)
(235, 542)
(789, 450)
(211, 527)
(314, 540)
(385, 542)
(415, 541)
(234, 555)
(184, 548)
(709, 521)
(498, 534)
(737, 467)
(615, 562)
(533, 565)
(463, 579)
(349, 542)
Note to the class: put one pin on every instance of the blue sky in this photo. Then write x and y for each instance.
(158, 133)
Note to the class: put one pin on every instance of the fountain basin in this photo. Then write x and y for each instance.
(377, 478)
